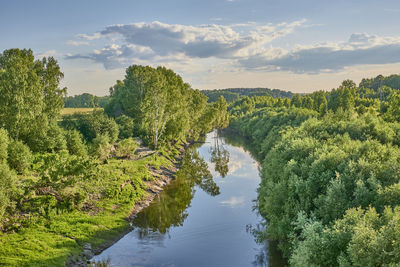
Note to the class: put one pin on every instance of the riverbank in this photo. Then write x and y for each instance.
(161, 177)
(71, 238)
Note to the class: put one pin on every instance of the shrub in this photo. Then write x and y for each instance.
(101, 147)
(125, 126)
(91, 125)
(7, 178)
(55, 139)
(4, 140)
(126, 148)
(75, 144)
(19, 156)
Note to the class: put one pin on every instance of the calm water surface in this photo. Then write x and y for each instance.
(203, 218)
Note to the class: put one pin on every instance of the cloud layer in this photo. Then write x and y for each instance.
(158, 41)
(360, 49)
(245, 46)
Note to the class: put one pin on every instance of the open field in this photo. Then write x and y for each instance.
(70, 111)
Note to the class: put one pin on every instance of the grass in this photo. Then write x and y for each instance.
(51, 241)
(70, 111)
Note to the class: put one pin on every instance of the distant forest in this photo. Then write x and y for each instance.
(85, 101)
(231, 95)
(369, 87)
(234, 94)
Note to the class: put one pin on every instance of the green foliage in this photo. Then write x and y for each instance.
(85, 100)
(75, 143)
(30, 97)
(55, 139)
(221, 117)
(125, 126)
(162, 106)
(19, 156)
(234, 94)
(7, 180)
(92, 125)
(330, 179)
(126, 148)
(101, 147)
(393, 112)
(4, 140)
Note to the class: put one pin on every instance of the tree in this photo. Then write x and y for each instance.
(393, 112)
(19, 156)
(221, 119)
(93, 124)
(4, 140)
(30, 97)
(296, 100)
(162, 106)
(125, 126)
(75, 144)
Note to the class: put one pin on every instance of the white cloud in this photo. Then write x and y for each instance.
(360, 49)
(89, 37)
(49, 53)
(158, 41)
(77, 43)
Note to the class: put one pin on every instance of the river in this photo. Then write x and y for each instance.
(205, 217)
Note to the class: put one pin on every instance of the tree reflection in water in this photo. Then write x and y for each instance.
(219, 156)
(169, 208)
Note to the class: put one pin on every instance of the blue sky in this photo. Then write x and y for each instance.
(294, 45)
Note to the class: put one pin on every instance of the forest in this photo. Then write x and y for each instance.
(71, 180)
(330, 188)
(234, 94)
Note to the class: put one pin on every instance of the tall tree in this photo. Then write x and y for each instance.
(30, 97)
(162, 106)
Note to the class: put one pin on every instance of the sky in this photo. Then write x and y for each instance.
(294, 45)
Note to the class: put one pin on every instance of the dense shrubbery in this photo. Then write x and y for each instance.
(19, 156)
(330, 177)
(92, 125)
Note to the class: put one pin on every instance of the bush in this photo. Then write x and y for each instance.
(19, 156)
(75, 144)
(91, 125)
(126, 148)
(101, 147)
(4, 140)
(125, 126)
(55, 139)
(7, 178)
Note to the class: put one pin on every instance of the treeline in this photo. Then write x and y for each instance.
(234, 94)
(330, 188)
(85, 100)
(65, 179)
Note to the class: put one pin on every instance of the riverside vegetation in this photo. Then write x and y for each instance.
(70, 180)
(330, 168)
(330, 161)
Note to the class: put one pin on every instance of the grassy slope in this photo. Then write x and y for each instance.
(49, 241)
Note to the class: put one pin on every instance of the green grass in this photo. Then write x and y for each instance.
(50, 241)
(70, 111)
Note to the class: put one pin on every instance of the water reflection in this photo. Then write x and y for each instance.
(219, 155)
(170, 209)
(200, 220)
